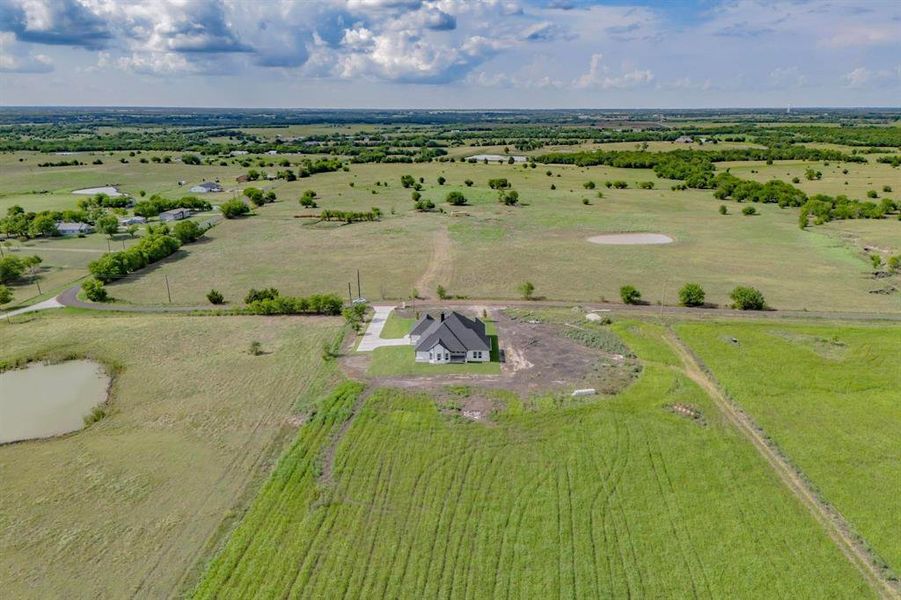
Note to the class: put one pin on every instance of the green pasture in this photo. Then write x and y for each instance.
(618, 497)
(125, 507)
(829, 397)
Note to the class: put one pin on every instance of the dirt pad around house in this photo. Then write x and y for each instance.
(538, 360)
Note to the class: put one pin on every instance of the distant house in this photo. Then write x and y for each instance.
(73, 228)
(238, 152)
(452, 338)
(126, 221)
(206, 187)
(684, 139)
(176, 214)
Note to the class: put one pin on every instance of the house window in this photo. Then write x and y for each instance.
(446, 356)
(430, 356)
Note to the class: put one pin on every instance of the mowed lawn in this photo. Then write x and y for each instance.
(830, 397)
(126, 507)
(616, 498)
(486, 250)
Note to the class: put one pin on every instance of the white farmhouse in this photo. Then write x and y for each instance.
(176, 214)
(451, 338)
(65, 228)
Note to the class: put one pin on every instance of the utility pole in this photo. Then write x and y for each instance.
(168, 293)
(350, 295)
(108, 249)
(359, 294)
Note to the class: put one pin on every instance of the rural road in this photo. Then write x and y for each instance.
(70, 298)
(46, 304)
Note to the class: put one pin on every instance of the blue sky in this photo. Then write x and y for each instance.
(451, 53)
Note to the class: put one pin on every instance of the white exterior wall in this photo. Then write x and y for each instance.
(484, 357)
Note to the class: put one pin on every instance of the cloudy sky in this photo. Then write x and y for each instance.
(450, 53)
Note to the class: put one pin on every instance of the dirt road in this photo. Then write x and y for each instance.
(441, 265)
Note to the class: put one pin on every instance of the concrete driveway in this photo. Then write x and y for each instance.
(372, 338)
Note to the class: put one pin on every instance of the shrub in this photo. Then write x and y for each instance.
(456, 199)
(416, 196)
(6, 294)
(749, 211)
(887, 189)
(629, 294)
(586, 201)
(723, 209)
(747, 298)
(876, 260)
(424, 205)
(468, 182)
(588, 185)
(215, 297)
(11, 268)
(498, 184)
(646, 185)
(442, 293)
(508, 197)
(234, 208)
(255, 295)
(872, 194)
(691, 294)
(441, 180)
(526, 289)
(255, 348)
(94, 290)
(187, 231)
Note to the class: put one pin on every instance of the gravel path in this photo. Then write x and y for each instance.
(46, 304)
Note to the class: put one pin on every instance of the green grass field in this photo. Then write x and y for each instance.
(397, 327)
(125, 507)
(828, 396)
(616, 498)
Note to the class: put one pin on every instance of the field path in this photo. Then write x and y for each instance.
(441, 266)
(838, 529)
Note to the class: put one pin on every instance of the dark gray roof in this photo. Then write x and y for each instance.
(422, 324)
(456, 332)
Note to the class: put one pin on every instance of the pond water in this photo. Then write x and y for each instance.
(45, 400)
(631, 239)
(109, 190)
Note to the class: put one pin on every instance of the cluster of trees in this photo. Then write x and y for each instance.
(825, 208)
(728, 186)
(18, 223)
(499, 183)
(351, 216)
(234, 208)
(508, 197)
(408, 181)
(270, 302)
(62, 163)
(895, 160)
(258, 196)
(153, 247)
(13, 267)
(308, 199)
(103, 201)
(323, 165)
(156, 204)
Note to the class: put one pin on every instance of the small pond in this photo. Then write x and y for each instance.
(43, 400)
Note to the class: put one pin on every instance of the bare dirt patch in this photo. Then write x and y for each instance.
(538, 359)
(630, 239)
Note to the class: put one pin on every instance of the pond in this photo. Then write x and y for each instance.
(43, 400)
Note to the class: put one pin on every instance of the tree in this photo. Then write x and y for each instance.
(234, 208)
(456, 199)
(255, 195)
(588, 185)
(468, 182)
(416, 196)
(6, 294)
(499, 183)
(94, 290)
(407, 181)
(132, 230)
(629, 294)
(255, 295)
(749, 211)
(187, 231)
(442, 293)
(894, 262)
(441, 180)
(11, 268)
(747, 298)
(526, 289)
(215, 297)
(108, 224)
(44, 225)
(190, 159)
(508, 197)
(723, 209)
(691, 294)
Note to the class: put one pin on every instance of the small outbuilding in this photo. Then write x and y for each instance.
(176, 214)
(206, 187)
(135, 220)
